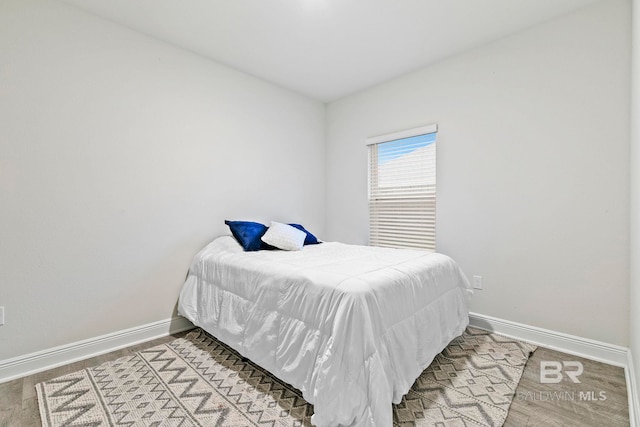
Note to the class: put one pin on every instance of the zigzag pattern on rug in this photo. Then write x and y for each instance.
(199, 381)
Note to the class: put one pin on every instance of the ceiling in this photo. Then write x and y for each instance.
(327, 49)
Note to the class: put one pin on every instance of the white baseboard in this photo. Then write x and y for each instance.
(28, 364)
(632, 392)
(578, 346)
(571, 344)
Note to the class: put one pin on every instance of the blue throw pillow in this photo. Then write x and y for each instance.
(248, 234)
(310, 239)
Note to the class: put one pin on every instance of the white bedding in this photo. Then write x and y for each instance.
(352, 327)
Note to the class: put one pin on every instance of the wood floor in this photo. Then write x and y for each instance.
(600, 399)
(535, 404)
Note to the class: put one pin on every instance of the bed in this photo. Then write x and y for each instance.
(350, 326)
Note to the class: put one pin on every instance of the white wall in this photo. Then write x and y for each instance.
(635, 193)
(120, 157)
(533, 174)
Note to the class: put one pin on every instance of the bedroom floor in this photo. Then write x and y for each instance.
(599, 399)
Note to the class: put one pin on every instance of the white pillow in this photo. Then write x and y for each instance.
(284, 237)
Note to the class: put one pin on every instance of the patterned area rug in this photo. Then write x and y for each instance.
(198, 381)
(471, 383)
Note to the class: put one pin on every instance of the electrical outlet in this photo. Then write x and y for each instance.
(1, 316)
(477, 282)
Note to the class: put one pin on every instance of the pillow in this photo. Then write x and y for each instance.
(310, 239)
(284, 237)
(248, 234)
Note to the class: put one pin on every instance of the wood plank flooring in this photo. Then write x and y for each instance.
(534, 404)
(568, 403)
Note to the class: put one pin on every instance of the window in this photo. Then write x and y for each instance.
(402, 189)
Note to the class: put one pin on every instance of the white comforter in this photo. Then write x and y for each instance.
(351, 326)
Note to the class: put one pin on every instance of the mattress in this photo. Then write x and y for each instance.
(350, 326)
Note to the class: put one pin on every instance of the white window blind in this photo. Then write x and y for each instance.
(402, 189)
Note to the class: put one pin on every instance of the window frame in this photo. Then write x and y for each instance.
(426, 201)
